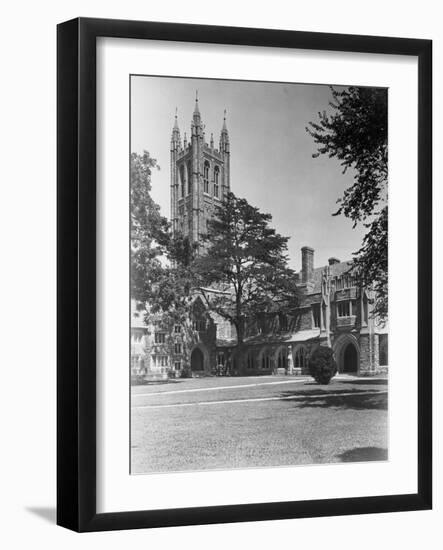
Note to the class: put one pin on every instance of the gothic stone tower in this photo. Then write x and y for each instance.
(199, 177)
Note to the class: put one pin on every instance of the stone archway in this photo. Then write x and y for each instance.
(347, 354)
(265, 359)
(350, 358)
(280, 358)
(197, 360)
(300, 358)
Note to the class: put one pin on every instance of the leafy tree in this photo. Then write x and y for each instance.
(245, 266)
(149, 229)
(161, 274)
(356, 133)
(161, 263)
(322, 365)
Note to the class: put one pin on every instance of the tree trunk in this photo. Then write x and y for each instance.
(240, 326)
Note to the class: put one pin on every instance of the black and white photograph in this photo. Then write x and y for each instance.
(258, 274)
(220, 284)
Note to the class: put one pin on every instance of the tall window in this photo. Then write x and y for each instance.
(199, 325)
(265, 361)
(344, 309)
(206, 177)
(283, 322)
(216, 181)
(301, 357)
(177, 329)
(250, 360)
(177, 347)
(189, 179)
(282, 360)
(160, 360)
(345, 281)
(182, 180)
(160, 338)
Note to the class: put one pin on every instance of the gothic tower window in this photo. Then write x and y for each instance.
(216, 180)
(206, 177)
(182, 180)
(189, 179)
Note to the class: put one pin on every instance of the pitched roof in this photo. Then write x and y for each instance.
(336, 270)
(272, 338)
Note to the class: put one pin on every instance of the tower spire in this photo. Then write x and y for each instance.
(197, 126)
(175, 119)
(196, 107)
(224, 121)
(175, 130)
(224, 136)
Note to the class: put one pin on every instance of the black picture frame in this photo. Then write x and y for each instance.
(76, 266)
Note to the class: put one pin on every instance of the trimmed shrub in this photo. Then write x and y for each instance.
(322, 365)
(186, 372)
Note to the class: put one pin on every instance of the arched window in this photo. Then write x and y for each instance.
(206, 177)
(216, 181)
(189, 179)
(250, 360)
(301, 358)
(282, 359)
(265, 361)
(182, 180)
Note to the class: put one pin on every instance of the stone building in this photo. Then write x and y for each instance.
(334, 311)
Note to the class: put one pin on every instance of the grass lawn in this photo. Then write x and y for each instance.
(224, 423)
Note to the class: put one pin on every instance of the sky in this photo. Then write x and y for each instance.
(271, 153)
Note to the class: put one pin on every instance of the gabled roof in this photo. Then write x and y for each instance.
(335, 270)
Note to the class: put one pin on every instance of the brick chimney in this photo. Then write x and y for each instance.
(307, 263)
(332, 261)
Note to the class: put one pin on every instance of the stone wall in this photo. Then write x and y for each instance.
(369, 354)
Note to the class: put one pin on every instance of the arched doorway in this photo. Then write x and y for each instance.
(197, 361)
(282, 358)
(300, 358)
(347, 353)
(350, 358)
